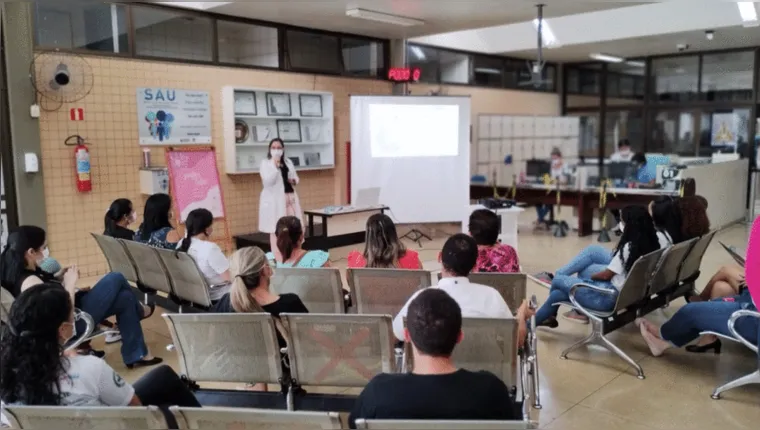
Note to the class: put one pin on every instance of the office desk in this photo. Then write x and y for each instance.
(347, 226)
(586, 201)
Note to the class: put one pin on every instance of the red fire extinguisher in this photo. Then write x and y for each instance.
(81, 163)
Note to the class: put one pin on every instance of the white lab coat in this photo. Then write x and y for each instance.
(272, 201)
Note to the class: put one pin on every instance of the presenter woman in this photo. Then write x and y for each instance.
(278, 198)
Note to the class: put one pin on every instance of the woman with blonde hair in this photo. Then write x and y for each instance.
(383, 248)
(250, 293)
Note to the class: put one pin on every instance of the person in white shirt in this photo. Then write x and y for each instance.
(36, 371)
(458, 257)
(207, 255)
(624, 153)
(559, 173)
(639, 238)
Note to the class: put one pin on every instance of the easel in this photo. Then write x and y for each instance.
(415, 235)
(226, 241)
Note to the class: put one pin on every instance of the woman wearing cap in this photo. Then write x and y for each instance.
(278, 197)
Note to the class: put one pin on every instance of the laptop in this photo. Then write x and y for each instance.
(738, 258)
(367, 197)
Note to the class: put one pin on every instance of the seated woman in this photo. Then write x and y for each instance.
(37, 372)
(383, 248)
(694, 318)
(492, 255)
(207, 255)
(695, 222)
(112, 295)
(119, 216)
(289, 239)
(156, 229)
(726, 282)
(639, 238)
(666, 216)
(250, 293)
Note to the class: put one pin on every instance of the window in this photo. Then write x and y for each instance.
(526, 80)
(455, 67)
(724, 130)
(625, 124)
(488, 71)
(514, 70)
(588, 145)
(675, 79)
(621, 83)
(727, 77)
(246, 44)
(310, 51)
(96, 26)
(362, 57)
(426, 59)
(674, 132)
(169, 34)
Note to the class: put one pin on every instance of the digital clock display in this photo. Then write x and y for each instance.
(404, 74)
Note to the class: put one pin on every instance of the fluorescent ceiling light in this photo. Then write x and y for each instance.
(383, 17)
(549, 39)
(636, 63)
(748, 12)
(199, 5)
(487, 71)
(606, 58)
(418, 52)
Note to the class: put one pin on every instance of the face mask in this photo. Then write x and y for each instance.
(625, 151)
(277, 153)
(45, 254)
(621, 227)
(556, 162)
(132, 218)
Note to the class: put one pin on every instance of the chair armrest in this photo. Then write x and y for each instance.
(90, 327)
(577, 305)
(732, 326)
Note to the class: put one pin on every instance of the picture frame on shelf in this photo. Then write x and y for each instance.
(242, 131)
(310, 105)
(278, 104)
(289, 130)
(245, 103)
(312, 159)
(262, 133)
(312, 132)
(296, 161)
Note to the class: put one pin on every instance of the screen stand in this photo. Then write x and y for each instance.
(416, 236)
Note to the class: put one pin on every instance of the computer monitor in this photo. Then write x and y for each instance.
(618, 171)
(538, 168)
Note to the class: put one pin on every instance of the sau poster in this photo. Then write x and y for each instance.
(167, 116)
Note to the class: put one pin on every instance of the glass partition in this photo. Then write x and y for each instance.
(675, 79)
(673, 132)
(727, 77)
(624, 124)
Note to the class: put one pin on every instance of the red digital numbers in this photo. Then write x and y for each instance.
(404, 74)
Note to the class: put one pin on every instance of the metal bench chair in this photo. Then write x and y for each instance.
(442, 425)
(385, 291)
(320, 289)
(188, 285)
(632, 295)
(215, 418)
(68, 417)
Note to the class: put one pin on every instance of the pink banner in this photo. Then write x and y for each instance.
(194, 182)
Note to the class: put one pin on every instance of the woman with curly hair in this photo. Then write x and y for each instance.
(639, 238)
(36, 370)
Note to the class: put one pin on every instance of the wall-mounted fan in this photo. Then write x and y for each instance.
(60, 78)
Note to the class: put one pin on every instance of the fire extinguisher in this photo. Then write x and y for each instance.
(81, 163)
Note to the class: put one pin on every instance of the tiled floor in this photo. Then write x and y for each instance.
(594, 389)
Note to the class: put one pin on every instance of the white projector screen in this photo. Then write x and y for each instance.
(417, 151)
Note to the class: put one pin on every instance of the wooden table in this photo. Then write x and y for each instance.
(586, 200)
(347, 226)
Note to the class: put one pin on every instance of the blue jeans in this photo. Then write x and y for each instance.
(591, 260)
(543, 211)
(560, 292)
(694, 318)
(112, 295)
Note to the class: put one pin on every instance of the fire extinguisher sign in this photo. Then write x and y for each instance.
(76, 114)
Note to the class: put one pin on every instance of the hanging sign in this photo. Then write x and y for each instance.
(404, 74)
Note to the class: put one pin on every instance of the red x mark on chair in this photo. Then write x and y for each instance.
(341, 353)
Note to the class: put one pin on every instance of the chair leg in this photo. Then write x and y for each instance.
(289, 398)
(597, 338)
(752, 378)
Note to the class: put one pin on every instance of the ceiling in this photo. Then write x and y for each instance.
(725, 38)
(439, 15)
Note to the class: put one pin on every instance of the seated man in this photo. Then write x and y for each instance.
(642, 175)
(458, 257)
(436, 389)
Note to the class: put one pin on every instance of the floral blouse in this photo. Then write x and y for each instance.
(497, 259)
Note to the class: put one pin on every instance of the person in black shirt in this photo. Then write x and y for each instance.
(436, 389)
(119, 216)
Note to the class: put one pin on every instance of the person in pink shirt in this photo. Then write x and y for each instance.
(492, 255)
(383, 248)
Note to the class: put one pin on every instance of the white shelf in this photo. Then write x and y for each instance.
(245, 158)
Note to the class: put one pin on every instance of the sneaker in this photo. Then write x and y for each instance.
(576, 317)
(113, 337)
